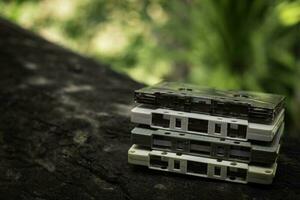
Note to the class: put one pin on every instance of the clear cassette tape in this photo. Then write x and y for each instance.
(261, 153)
(223, 127)
(201, 166)
(256, 107)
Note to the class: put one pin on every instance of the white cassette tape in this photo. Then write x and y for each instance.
(201, 166)
(231, 128)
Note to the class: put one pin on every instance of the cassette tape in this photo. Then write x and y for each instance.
(256, 107)
(201, 166)
(215, 126)
(263, 153)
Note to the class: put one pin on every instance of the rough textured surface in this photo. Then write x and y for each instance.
(65, 132)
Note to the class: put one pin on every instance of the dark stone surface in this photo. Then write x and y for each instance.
(65, 132)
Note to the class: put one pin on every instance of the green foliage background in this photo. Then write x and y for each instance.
(228, 44)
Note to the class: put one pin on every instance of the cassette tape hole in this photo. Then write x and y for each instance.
(178, 123)
(176, 164)
(218, 129)
(217, 171)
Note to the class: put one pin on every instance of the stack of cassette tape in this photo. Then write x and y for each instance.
(226, 135)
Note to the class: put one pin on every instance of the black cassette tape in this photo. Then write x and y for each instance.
(253, 106)
(259, 153)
